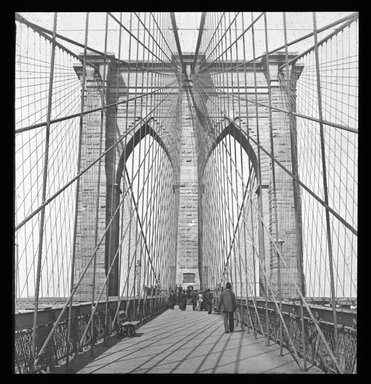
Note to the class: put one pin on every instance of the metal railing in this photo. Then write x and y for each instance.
(56, 350)
(315, 351)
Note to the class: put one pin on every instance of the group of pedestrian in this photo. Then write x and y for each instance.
(179, 297)
(203, 300)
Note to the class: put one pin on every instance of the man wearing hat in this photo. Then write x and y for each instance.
(228, 304)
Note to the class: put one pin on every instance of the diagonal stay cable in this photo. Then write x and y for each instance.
(139, 220)
(159, 29)
(74, 289)
(177, 41)
(322, 41)
(296, 179)
(234, 42)
(150, 34)
(127, 30)
(46, 32)
(314, 320)
(81, 277)
(317, 120)
(308, 35)
(199, 39)
(50, 199)
(236, 227)
(221, 38)
(30, 127)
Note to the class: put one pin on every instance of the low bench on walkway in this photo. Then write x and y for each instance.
(126, 327)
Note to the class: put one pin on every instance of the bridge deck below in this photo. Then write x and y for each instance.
(189, 342)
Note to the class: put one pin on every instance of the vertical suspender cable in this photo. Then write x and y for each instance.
(296, 191)
(113, 191)
(273, 169)
(262, 276)
(81, 125)
(102, 121)
(45, 180)
(325, 187)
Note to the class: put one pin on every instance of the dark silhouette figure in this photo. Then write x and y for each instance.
(228, 305)
(194, 299)
(183, 301)
(172, 299)
(209, 301)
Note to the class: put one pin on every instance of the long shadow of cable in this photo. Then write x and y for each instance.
(238, 354)
(197, 346)
(108, 354)
(208, 354)
(217, 365)
(131, 352)
(278, 366)
(187, 340)
(259, 354)
(166, 326)
(176, 330)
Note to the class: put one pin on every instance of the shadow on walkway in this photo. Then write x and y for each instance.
(186, 342)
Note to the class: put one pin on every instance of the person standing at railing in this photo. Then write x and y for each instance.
(227, 305)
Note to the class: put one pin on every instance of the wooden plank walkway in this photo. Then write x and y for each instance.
(188, 342)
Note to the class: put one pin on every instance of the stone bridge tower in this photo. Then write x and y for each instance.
(188, 157)
(287, 193)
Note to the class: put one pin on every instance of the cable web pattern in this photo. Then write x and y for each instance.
(138, 163)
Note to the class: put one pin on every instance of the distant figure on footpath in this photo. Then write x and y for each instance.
(183, 301)
(176, 295)
(179, 295)
(227, 305)
(194, 299)
(209, 301)
(199, 301)
(172, 299)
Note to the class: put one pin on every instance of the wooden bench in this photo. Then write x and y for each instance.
(126, 327)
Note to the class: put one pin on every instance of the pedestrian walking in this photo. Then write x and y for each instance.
(227, 305)
(179, 295)
(183, 301)
(199, 301)
(172, 299)
(194, 299)
(209, 301)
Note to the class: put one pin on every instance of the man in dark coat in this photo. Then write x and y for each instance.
(209, 301)
(172, 299)
(183, 301)
(228, 304)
